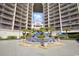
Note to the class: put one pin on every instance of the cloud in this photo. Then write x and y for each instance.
(37, 17)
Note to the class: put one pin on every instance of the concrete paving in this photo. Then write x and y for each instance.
(12, 48)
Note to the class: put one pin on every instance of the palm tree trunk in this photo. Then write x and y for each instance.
(42, 42)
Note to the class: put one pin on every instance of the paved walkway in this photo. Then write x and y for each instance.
(12, 48)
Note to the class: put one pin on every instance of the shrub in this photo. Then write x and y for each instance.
(61, 36)
(8, 38)
(73, 36)
(28, 35)
(22, 37)
(0, 38)
(41, 36)
(12, 37)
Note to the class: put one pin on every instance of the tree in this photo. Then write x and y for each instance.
(26, 33)
(42, 36)
(42, 29)
(33, 30)
(66, 29)
(50, 29)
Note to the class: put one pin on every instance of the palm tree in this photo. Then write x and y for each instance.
(32, 30)
(42, 36)
(50, 29)
(66, 29)
(26, 33)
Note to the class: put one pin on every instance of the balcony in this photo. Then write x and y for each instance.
(8, 8)
(19, 12)
(19, 16)
(57, 21)
(66, 24)
(65, 11)
(8, 12)
(24, 22)
(18, 8)
(6, 17)
(75, 23)
(62, 8)
(73, 13)
(6, 26)
(1, 9)
(17, 20)
(74, 8)
(10, 5)
(16, 24)
(74, 18)
(6, 22)
(23, 26)
(57, 25)
(51, 23)
(54, 13)
(53, 10)
(65, 16)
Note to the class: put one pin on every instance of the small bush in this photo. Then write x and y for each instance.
(12, 37)
(61, 36)
(41, 36)
(22, 37)
(28, 35)
(0, 38)
(73, 36)
(8, 38)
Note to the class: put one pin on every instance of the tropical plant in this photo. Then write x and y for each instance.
(26, 34)
(42, 36)
(66, 29)
(42, 29)
(61, 36)
(33, 30)
(50, 29)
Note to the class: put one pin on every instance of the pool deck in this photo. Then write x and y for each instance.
(12, 48)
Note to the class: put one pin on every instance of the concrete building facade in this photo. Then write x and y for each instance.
(64, 15)
(13, 16)
(16, 16)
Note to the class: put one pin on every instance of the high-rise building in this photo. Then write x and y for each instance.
(16, 16)
(13, 16)
(64, 15)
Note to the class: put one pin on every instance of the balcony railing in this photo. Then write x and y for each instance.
(10, 18)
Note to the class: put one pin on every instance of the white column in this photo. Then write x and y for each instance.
(14, 17)
(60, 18)
(32, 14)
(78, 7)
(27, 16)
(48, 16)
(43, 13)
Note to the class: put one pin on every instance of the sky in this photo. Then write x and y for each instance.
(37, 17)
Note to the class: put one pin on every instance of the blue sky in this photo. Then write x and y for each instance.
(37, 17)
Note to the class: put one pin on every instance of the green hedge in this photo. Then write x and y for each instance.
(26, 36)
(8, 38)
(12, 37)
(22, 37)
(0, 38)
(73, 35)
